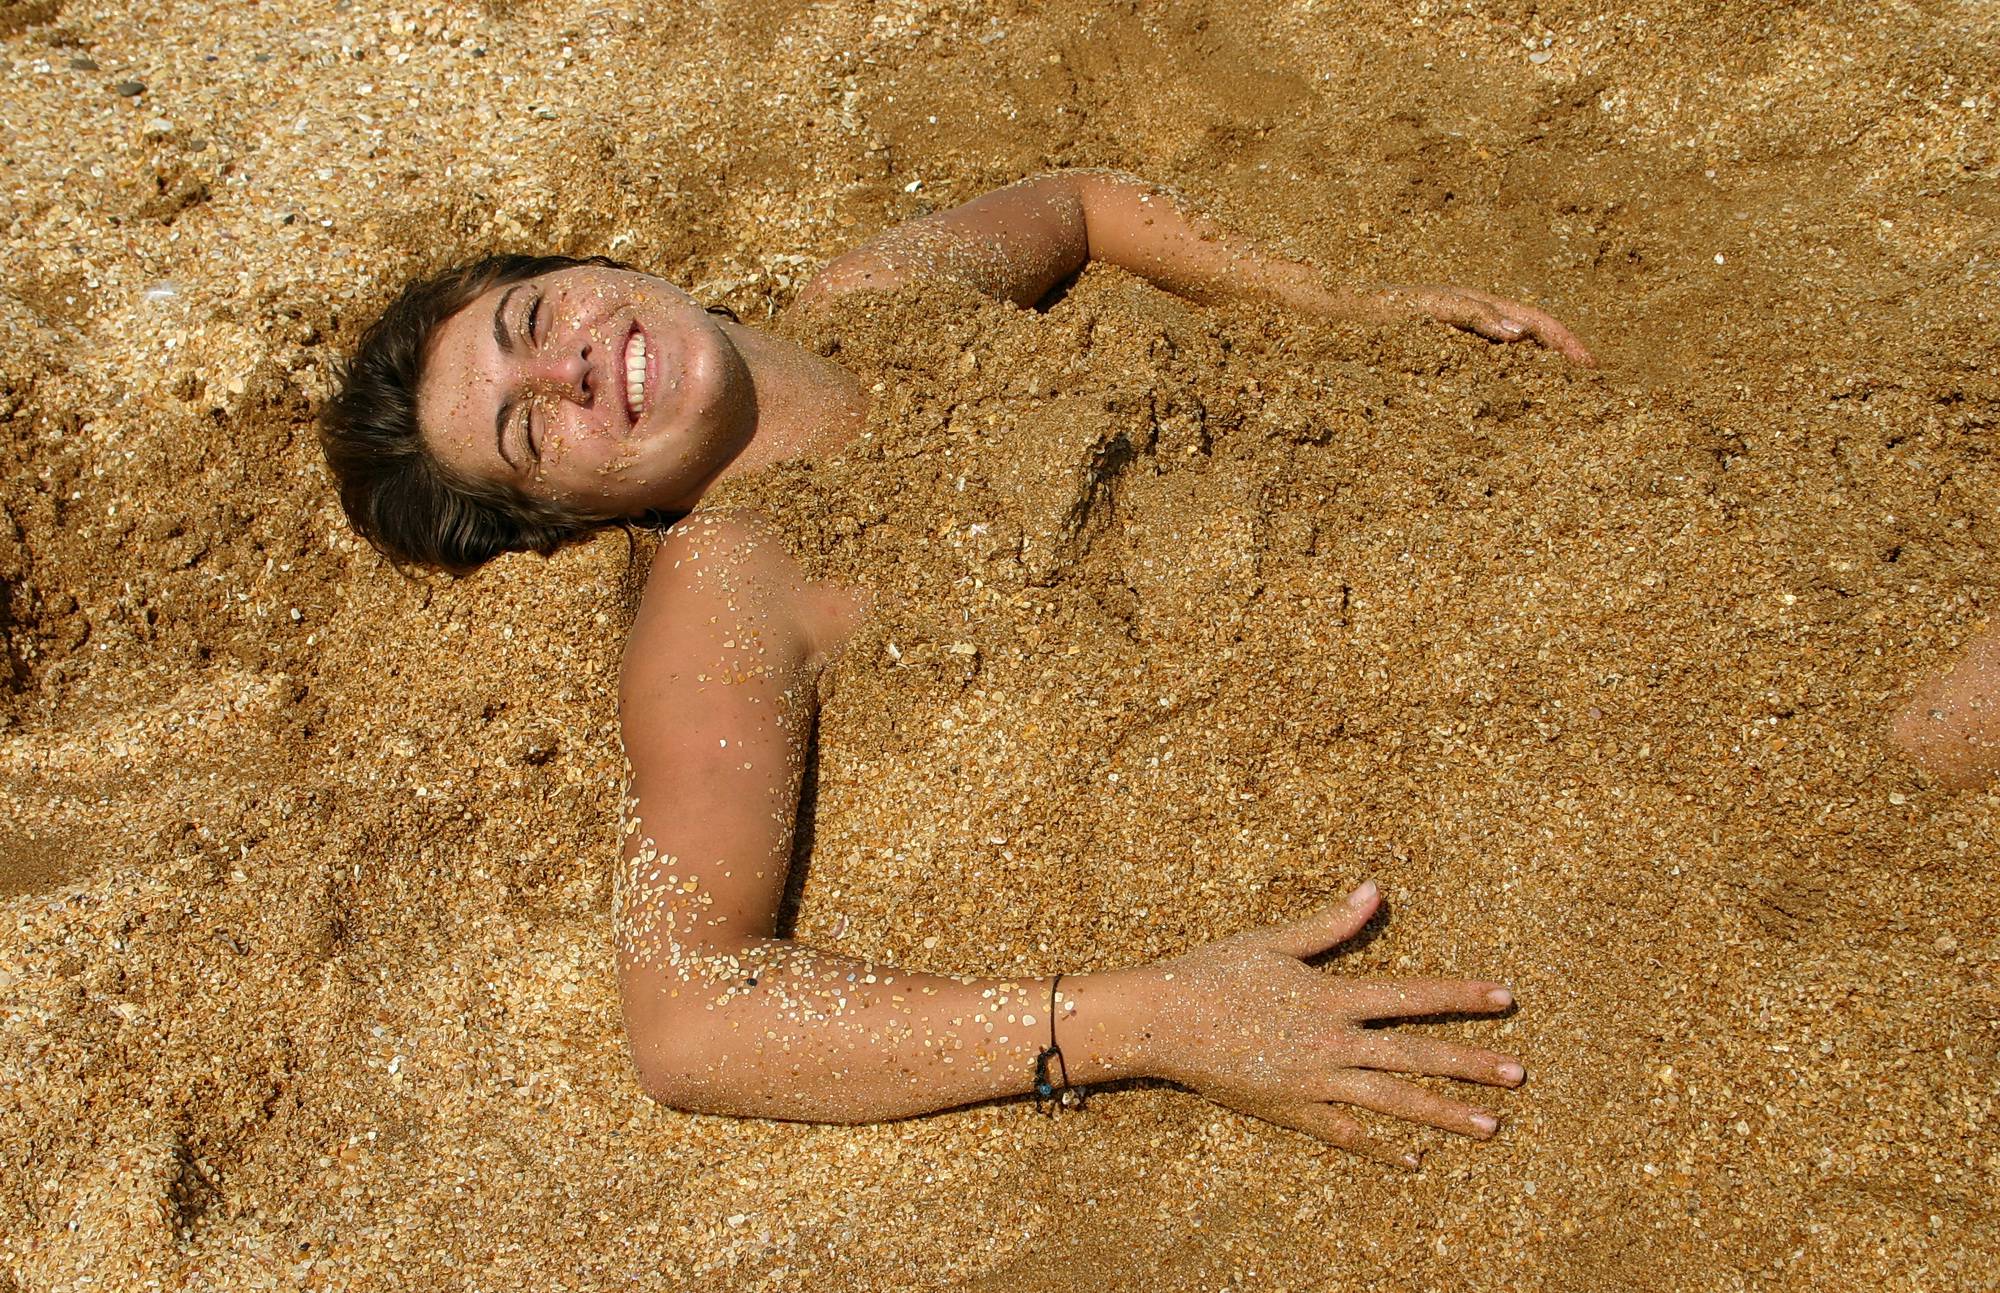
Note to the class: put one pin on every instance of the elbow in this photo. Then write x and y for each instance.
(666, 1079)
(688, 1079)
(694, 1069)
(689, 1061)
(679, 1059)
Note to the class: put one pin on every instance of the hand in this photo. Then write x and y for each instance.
(1247, 1024)
(1493, 317)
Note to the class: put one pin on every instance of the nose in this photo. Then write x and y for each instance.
(568, 373)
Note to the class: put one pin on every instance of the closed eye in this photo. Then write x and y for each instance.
(531, 326)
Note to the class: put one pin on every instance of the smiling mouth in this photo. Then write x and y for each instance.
(635, 373)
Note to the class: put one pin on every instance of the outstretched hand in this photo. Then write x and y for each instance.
(1493, 317)
(1246, 1023)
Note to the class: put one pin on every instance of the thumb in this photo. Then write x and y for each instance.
(1327, 926)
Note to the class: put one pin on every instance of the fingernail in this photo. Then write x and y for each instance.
(1512, 1072)
(1501, 998)
(1412, 1162)
(1486, 1123)
(1364, 893)
(1511, 328)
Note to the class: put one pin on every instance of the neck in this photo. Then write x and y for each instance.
(806, 406)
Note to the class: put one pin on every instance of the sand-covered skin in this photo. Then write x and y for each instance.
(305, 973)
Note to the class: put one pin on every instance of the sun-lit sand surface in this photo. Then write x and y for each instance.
(1193, 618)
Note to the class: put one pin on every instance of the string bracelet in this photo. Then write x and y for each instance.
(1052, 1088)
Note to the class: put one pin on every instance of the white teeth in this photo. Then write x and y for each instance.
(635, 374)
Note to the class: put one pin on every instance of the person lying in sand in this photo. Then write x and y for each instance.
(521, 403)
(1951, 725)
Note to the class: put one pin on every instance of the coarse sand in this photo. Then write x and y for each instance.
(1192, 618)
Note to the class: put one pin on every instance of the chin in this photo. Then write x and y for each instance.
(675, 474)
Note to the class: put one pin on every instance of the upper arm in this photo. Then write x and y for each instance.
(1015, 243)
(715, 708)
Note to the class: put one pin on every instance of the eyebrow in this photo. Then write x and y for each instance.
(506, 344)
(500, 337)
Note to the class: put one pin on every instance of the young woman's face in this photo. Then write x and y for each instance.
(604, 390)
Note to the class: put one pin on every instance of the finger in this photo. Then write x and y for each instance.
(1397, 1098)
(1474, 312)
(1324, 1122)
(1328, 926)
(1520, 321)
(1432, 1057)
(1494, 326)
(1409, 998)
(1499, 319)
(1556, 337)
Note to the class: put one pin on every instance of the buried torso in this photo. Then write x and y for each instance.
(1043, 541)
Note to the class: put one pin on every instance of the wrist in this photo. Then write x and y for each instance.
(1105, 1023)
(1313, 293)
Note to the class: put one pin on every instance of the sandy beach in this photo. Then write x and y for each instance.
(1193, 617)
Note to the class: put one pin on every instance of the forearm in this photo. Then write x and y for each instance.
(1020, 242)
(1143, 228)
(772, 1028)
(768, 1028)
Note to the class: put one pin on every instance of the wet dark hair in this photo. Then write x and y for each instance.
(397, 495)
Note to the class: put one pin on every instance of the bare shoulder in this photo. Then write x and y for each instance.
(720, 583)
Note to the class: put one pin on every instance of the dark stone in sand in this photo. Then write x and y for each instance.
(129, 89)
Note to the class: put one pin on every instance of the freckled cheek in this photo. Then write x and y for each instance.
(577, 440)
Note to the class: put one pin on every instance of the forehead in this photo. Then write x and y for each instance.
(459, 389)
